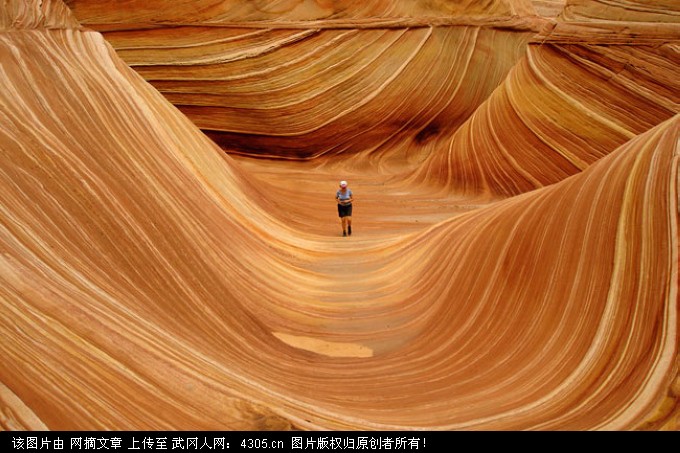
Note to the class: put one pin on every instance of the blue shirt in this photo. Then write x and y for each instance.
(343, 196)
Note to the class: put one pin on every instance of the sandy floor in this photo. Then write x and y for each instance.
(382, 208)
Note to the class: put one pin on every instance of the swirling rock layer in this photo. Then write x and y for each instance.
(515, 258)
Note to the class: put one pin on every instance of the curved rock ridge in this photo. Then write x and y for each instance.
(657, 11)
(391, 95)
(24, 14)
(323, 88)
(148, 280)
(548, 8)
(93, 12)
(615, 22)
(338, 92)
(92, 238)
(541, 125)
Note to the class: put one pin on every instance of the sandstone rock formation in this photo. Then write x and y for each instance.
(515, 262)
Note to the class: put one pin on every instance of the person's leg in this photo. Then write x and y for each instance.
(349, 219)
(344, 225)
(341, 214)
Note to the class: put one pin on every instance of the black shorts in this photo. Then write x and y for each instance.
(344, 210)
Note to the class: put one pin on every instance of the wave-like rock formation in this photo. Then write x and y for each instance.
(268, 11)
(561, 108)
(305, 79)
(515, 258)
(658, 11)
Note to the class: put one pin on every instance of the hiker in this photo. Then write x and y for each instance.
(344, 199)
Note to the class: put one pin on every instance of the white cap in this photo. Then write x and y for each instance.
(343, 183)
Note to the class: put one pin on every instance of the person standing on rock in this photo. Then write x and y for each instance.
(344, 198)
